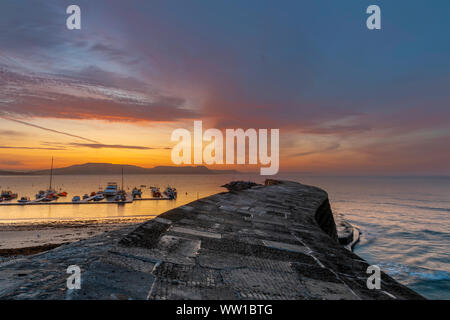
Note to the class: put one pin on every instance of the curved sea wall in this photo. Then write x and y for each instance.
(277, 241)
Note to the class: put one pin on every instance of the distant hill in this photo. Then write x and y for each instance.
(109, 168)
(11, 173)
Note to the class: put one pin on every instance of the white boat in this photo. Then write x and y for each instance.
(111, 190)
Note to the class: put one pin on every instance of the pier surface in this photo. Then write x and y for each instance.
(268, 242)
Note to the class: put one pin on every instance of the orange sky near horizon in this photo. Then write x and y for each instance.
(149, 145)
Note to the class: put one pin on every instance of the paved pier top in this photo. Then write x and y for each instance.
(277, 241)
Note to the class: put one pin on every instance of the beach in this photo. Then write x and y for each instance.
(17, 239)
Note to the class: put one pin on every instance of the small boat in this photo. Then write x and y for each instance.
(85, 196)
(76, 199)
(40, 194)
(170, 193)
(62, 194)
(155, 192)
(99, 197)
(93, 193)
(121, 196)
(51, 194)
(136, 193)
(23, 200)
(48, 195)
(111, 189)
(8, 195)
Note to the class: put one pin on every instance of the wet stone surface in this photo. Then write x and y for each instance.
(273, 242)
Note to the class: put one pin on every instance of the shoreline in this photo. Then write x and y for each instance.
(18, 238)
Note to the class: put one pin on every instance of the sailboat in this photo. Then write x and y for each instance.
(121, 194)
(50, 194)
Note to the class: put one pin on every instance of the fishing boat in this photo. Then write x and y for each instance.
(76, 199)
(111, 189)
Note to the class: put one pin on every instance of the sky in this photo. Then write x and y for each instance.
(346, 99)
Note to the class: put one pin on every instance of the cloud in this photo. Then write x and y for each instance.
(50, 96)
(12, 133)
(47, 129)
(331, 147)
(11, 162)
(30, 148)
(113, 146)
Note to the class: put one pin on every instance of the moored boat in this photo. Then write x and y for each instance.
(170, 193)
(8, 195)
(23, 200)
(40, 194)
(111, 189)
(136, 193)
(156, 193)
(50, 194)
(121, 196)
(99, 197)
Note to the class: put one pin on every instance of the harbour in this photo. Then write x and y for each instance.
(33, 203)
(112, 194)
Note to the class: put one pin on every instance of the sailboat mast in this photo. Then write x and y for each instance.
(51, 175)
(122, 178)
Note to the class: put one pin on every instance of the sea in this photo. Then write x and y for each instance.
(404, 221)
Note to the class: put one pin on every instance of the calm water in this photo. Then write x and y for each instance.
(405, 222)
